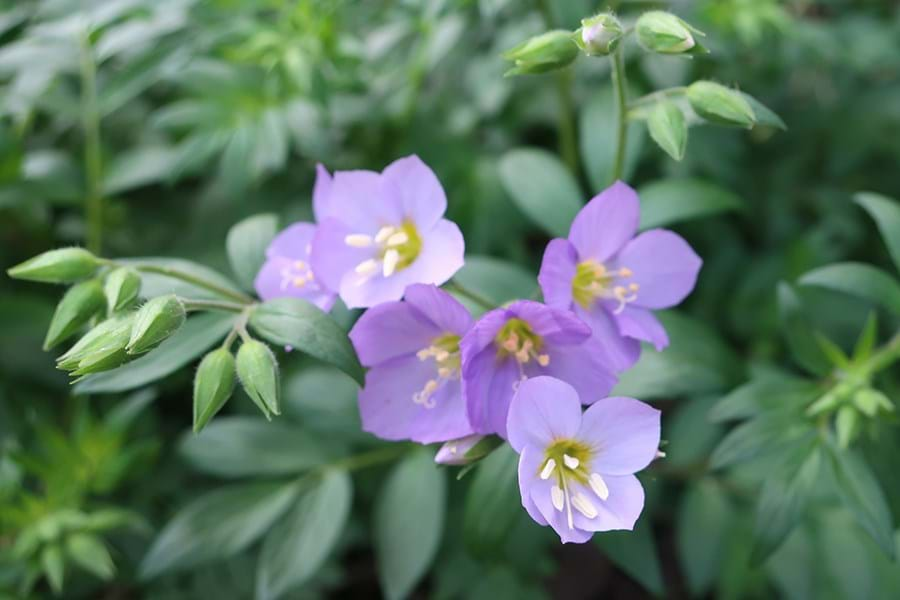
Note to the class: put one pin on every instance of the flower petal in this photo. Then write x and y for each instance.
(583, 368)
(612, 347)
(293, 241)
(624, 433)
(530, 460)
(557, 271)
(270, 283)
(331, 257)
(482, 335)
(543, 409)
(606, 223)
(440, 308)
(358, 199)
(418, 189)
(620, 510)
(557, 519)
(489, 388)
(390, 330)
(554, 325)
(641, 324)
(663, 265)
(321, 195)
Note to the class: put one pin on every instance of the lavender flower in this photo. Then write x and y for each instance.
(379, 233)
(454, 452)
(576, 471)
(613, 279)
(287, 270)
(523, 340)
(413, 389)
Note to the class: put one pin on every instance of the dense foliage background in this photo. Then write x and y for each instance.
(150, 127)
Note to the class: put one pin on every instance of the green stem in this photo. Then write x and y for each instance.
(621, 100)
(884, 356)
(192, 279)
(93, 166)
(568, 140)
(455, 286)
(212, 305)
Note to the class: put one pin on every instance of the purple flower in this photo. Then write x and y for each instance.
(576, 471)
(612, 279)
(413, 389)
(287, 270)
(523, 340)
(454, 451)
(379, 233)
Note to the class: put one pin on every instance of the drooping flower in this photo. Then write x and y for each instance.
(287, 270)
(413, 389)
(612, 279)
(526, 339)
(379, 233)
(576, 471)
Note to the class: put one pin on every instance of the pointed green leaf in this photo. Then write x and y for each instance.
(668, 128)
(635, 553)
(886, 214)
(246, 243)
(798, 332)
(487, 518)
(858, 279)
(669, 201)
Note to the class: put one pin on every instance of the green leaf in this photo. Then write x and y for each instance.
(704, 519)
(668, 128)
(762, 395)
(54, 566)
(764, 115)
(247, 446)
(89, 552)
(296, 549)
(217, 525)
(886, 214)
(409, 520)
(862, 495)
(857, 279)
(246, 243)
(496, 280)
(671, 201)
(798, 332)
(297, 323)
(197, 336)
(157, 284)
(696, 362)
(597, 133)
(138, 167)
(765, 433)
(542, 188)
(487, 518)
(635, 553)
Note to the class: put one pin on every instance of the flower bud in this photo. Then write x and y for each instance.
(155, 321)
(64, 265)
(102, 334)
(121, 288)
(719, 104)
(546, 52)
(107, 350)
(213, 385)
(599, 35)
(258, 372)
(461, 451)
(78, 305)
(869, 401)
(662, 32)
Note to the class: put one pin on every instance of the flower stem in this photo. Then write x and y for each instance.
(212, 305)
(621, 101)
(200, 282)
(93, 166)
(884, 356)
(455, 286)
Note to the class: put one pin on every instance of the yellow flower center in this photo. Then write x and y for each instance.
(396, 247)
(444, 350)
(518, 339)
(567, 461)
(594, 281)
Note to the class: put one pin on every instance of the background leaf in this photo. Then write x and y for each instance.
(671, 201)
(635, 553)
(886, 214)
(858, 279)
(488, 518)
(798, 332)
(246, 243)
(597, 128)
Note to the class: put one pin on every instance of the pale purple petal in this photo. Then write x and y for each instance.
(489, 388)
(664, 266)
(557, 519)
(543, 409)
(322, 194)
(418, 189)
(453, 452)
(358, 199)
(641, 324)
(606, 223)
(331, 257)
(362, 291)
(440, 308)
(293, 242)
(619, 511)
(615, 350)
(387, 408)
(583, 368)
(557, 271)
(271, 283)
(554, 325)
(530, 461)
(483, 333)
(623, 432)
(390, 330)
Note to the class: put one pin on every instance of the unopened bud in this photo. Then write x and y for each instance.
(258, 372)
(122, 288)
(113, 328)
(869, 401)
(719, 104)
(662, 32)
(213, 385)
(155, 321)
(65, 265)
(455, 452)
(599, 35)
(546, 52)
(107, 351)
(81, 302)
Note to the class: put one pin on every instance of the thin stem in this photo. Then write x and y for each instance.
(455, 286)
(229, 340)
(192, 279)
(568, 140)
(93, 166)
(621, 100)
(212, 305)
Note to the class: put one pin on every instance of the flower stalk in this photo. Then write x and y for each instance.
(617, 62)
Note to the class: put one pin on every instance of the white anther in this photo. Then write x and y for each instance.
(391, 258)
(599, 486)
(583, 505)
(358, 240)
(660, 454)
(383, 234)
(299, 281)
(547, 471)
(397, 239)
(571, 461)
(367, 267)
(556, 497)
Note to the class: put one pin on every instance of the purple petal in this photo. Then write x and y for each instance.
(530, 461)
(557, 271)
(606, 223)
(543, 409)
(388, 410)
(581, 367)
(358, 199)
(624, 433)
(557, 519)
(664, 266)
(271, 283)
(293, 242)
(390, 330)
(322, 194)
(554, 325)
(418, 189)
(482, 334)
(489, 388)
(619, 511)
(440, 308)
(454, 452)
(331, 257)
(641, 324)
(613, 348)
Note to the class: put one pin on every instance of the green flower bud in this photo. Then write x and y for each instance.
(103, 334)
(108, 351)
(869, 401)
(846, 425)
(155, 321)
(64, 265)
(213, 385)
(546, 52)
(121, 288)
(719, 104)
(662, 32)
(78, 305)
(258, 371)
(599, 35)
(668, 128)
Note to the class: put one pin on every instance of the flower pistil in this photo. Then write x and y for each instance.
(396, 247)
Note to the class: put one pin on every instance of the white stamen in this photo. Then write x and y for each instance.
(599, 486)
(583, 505)
(660, 454)
(556, 497)
(548, 469)
(383, 234)
(391, 258)
(367, 267)
(358, 240)
(571, 461)
(397, 239)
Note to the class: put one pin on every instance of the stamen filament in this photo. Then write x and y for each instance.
(548, 469)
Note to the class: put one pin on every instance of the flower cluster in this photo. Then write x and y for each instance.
(521, 371)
